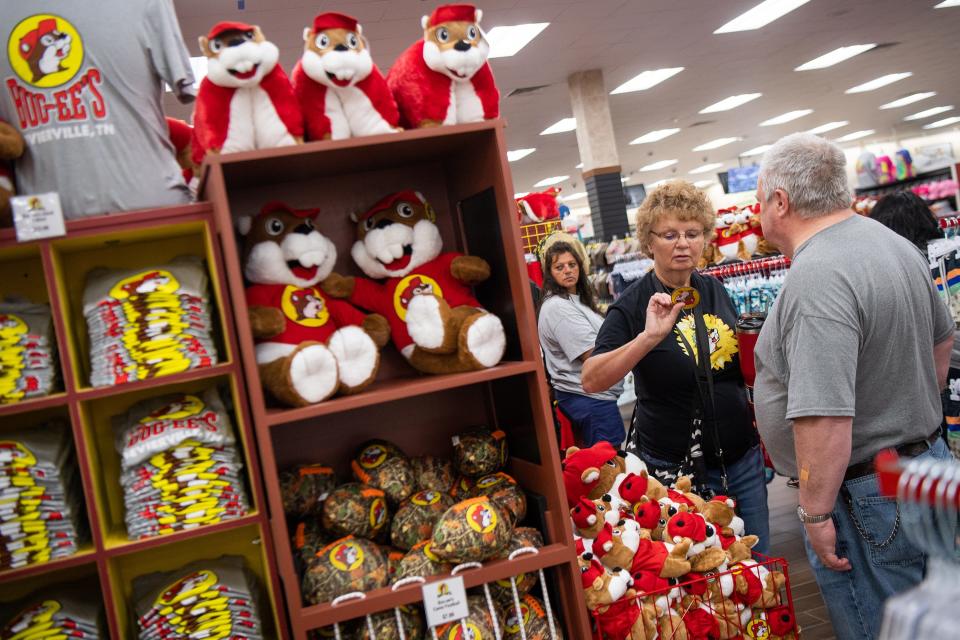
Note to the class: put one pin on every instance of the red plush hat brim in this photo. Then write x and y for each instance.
(223, 27)
(390, 200)
(453, 13)
(334, 20)
(276, 205)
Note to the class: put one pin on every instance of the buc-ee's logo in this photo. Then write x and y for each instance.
(45, 51)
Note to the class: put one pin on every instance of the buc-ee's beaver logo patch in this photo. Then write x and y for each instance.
(414, 284)
(304, 306)
(45, 50)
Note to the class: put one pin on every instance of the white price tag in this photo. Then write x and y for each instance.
(38, 216)
(445, 601)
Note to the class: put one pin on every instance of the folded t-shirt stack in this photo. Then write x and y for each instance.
(27, 349)
(150, 322)
(41, 499)
(208, 599)
(180, 464)
(73, 611)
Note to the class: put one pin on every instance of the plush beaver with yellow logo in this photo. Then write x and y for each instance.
(309, 346)
(435, 320)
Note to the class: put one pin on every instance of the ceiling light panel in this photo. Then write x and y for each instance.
(882, 81)
(546, 182)
(706, 167)
(856, 135)
(756, 151)
(517, 154)
(904, 101)
(662, 164)
(835, 57)
(715, 144)
(830, 126)
(654, 136)
(761, 15)
(561, 126)
(579, 166)
(645, 80)
(507, 41)
(946, 122)
(731, 103)
(929, 112)
(574, 196)
(946, 4)
(789, 116)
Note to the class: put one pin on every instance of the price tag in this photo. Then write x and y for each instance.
(38, 216)
(445, 601)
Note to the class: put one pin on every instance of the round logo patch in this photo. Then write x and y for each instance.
(413, 285)
(425, 498)
(16, 455)
(378, 513)
(473, 632)
(11, 327)
(45, 50)
(346, 556)
(513, 625)
(183, 407)
(689, 296)
(305, 306)
(480, 518)
(373, 456)
(490, 481)
(758, 629)
(428, 551)
(145, 283)
(187, 588)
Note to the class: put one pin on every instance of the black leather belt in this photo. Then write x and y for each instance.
(908, 450)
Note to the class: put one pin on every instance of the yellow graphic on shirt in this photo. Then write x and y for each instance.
(45, 50)
(723, 343)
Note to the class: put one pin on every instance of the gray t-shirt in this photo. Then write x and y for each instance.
(852, 334)
(568, 329)
(83, 82)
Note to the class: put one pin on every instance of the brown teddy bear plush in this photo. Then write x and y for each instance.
(309, 347)
(11, 147)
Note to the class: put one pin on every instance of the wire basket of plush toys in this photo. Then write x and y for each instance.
(660, 562)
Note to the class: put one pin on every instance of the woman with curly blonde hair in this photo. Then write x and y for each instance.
(691, 414)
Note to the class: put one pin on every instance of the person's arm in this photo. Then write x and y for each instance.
(941, 357)
(602, 371)
(821, 476)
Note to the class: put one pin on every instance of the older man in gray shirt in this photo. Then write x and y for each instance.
(850, 362)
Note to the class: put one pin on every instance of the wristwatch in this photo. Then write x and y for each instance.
(806, 518)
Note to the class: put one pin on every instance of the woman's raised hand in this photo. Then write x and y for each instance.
(661, 316)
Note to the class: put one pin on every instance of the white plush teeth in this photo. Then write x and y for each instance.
(385, 256)
(311, 259)
(396, 250)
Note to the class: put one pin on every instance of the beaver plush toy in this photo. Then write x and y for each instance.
(435, 320)
(308, 346)
(445, 78)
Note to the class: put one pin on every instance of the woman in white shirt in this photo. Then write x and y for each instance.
(568, 325)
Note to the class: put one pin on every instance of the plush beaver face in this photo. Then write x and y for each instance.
(336, 57)
(455, 49)
(239, 58)
(396, 238)
(283, 248)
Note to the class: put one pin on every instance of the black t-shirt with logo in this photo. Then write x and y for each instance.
(665, 379)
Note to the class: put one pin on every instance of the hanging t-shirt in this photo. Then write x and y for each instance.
(665, 379)
(83, 82)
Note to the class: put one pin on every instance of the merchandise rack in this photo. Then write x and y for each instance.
(463, 171)
(53, 271)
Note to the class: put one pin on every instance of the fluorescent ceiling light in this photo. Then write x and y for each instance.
(830, 126)
(707, 167)
(546, 182)
(199, 66)
(835, 56)
(662, 164)
(715, 144)
(507, 41)
(882, 81)
(946, 122)
(929, 112)
(856, 135)
(561, 126)
(947, 3)
(646, 80)
(761, 15)
(756, 151)
(731, 103)
(902, 102)
(579, 166)
(703, 184)
(517, 196)
(516, 154)
(654, 136)
(574, 196)
(624, 179)
(786, 117)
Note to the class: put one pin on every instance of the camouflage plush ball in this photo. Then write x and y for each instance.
(522, 537)
(355, 509)
(479, 451)
(421, 561)
(504, 492)
(433, 474)
(462, 487)
(385, 625)
(383, 465)
(304, 488)
(393, 557)
(308, 538)
(472, 530)
(414, 520)
(345, 565)
(535, 624)
(479, 623)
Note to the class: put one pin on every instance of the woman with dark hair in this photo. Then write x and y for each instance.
(568, 325)
(909, 215)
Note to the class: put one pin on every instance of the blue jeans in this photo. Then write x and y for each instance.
(884, 560)
(596, 419)
(746, 484)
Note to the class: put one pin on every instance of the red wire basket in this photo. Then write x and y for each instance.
(692, 609)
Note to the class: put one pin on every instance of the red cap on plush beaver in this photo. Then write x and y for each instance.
(223, 27)
(591, 573)
(633, 487)
(29, 42)
(603, 542)
(686, 525)
(334, 20)
(584, 514)
(453, 13)
(276, 205)
(647, 514)
(390, 200)
(583, 459)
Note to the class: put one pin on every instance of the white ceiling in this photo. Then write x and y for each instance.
(625, 37)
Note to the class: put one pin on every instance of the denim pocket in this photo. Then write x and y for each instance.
(876, 519)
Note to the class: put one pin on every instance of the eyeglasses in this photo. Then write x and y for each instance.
(673, 236)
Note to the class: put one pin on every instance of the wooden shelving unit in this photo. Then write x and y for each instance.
(462, 170)
(54, 271)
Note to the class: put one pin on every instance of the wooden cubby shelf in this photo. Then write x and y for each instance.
(33, 404)
(86, 554)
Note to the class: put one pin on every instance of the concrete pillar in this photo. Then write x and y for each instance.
(598, 152)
